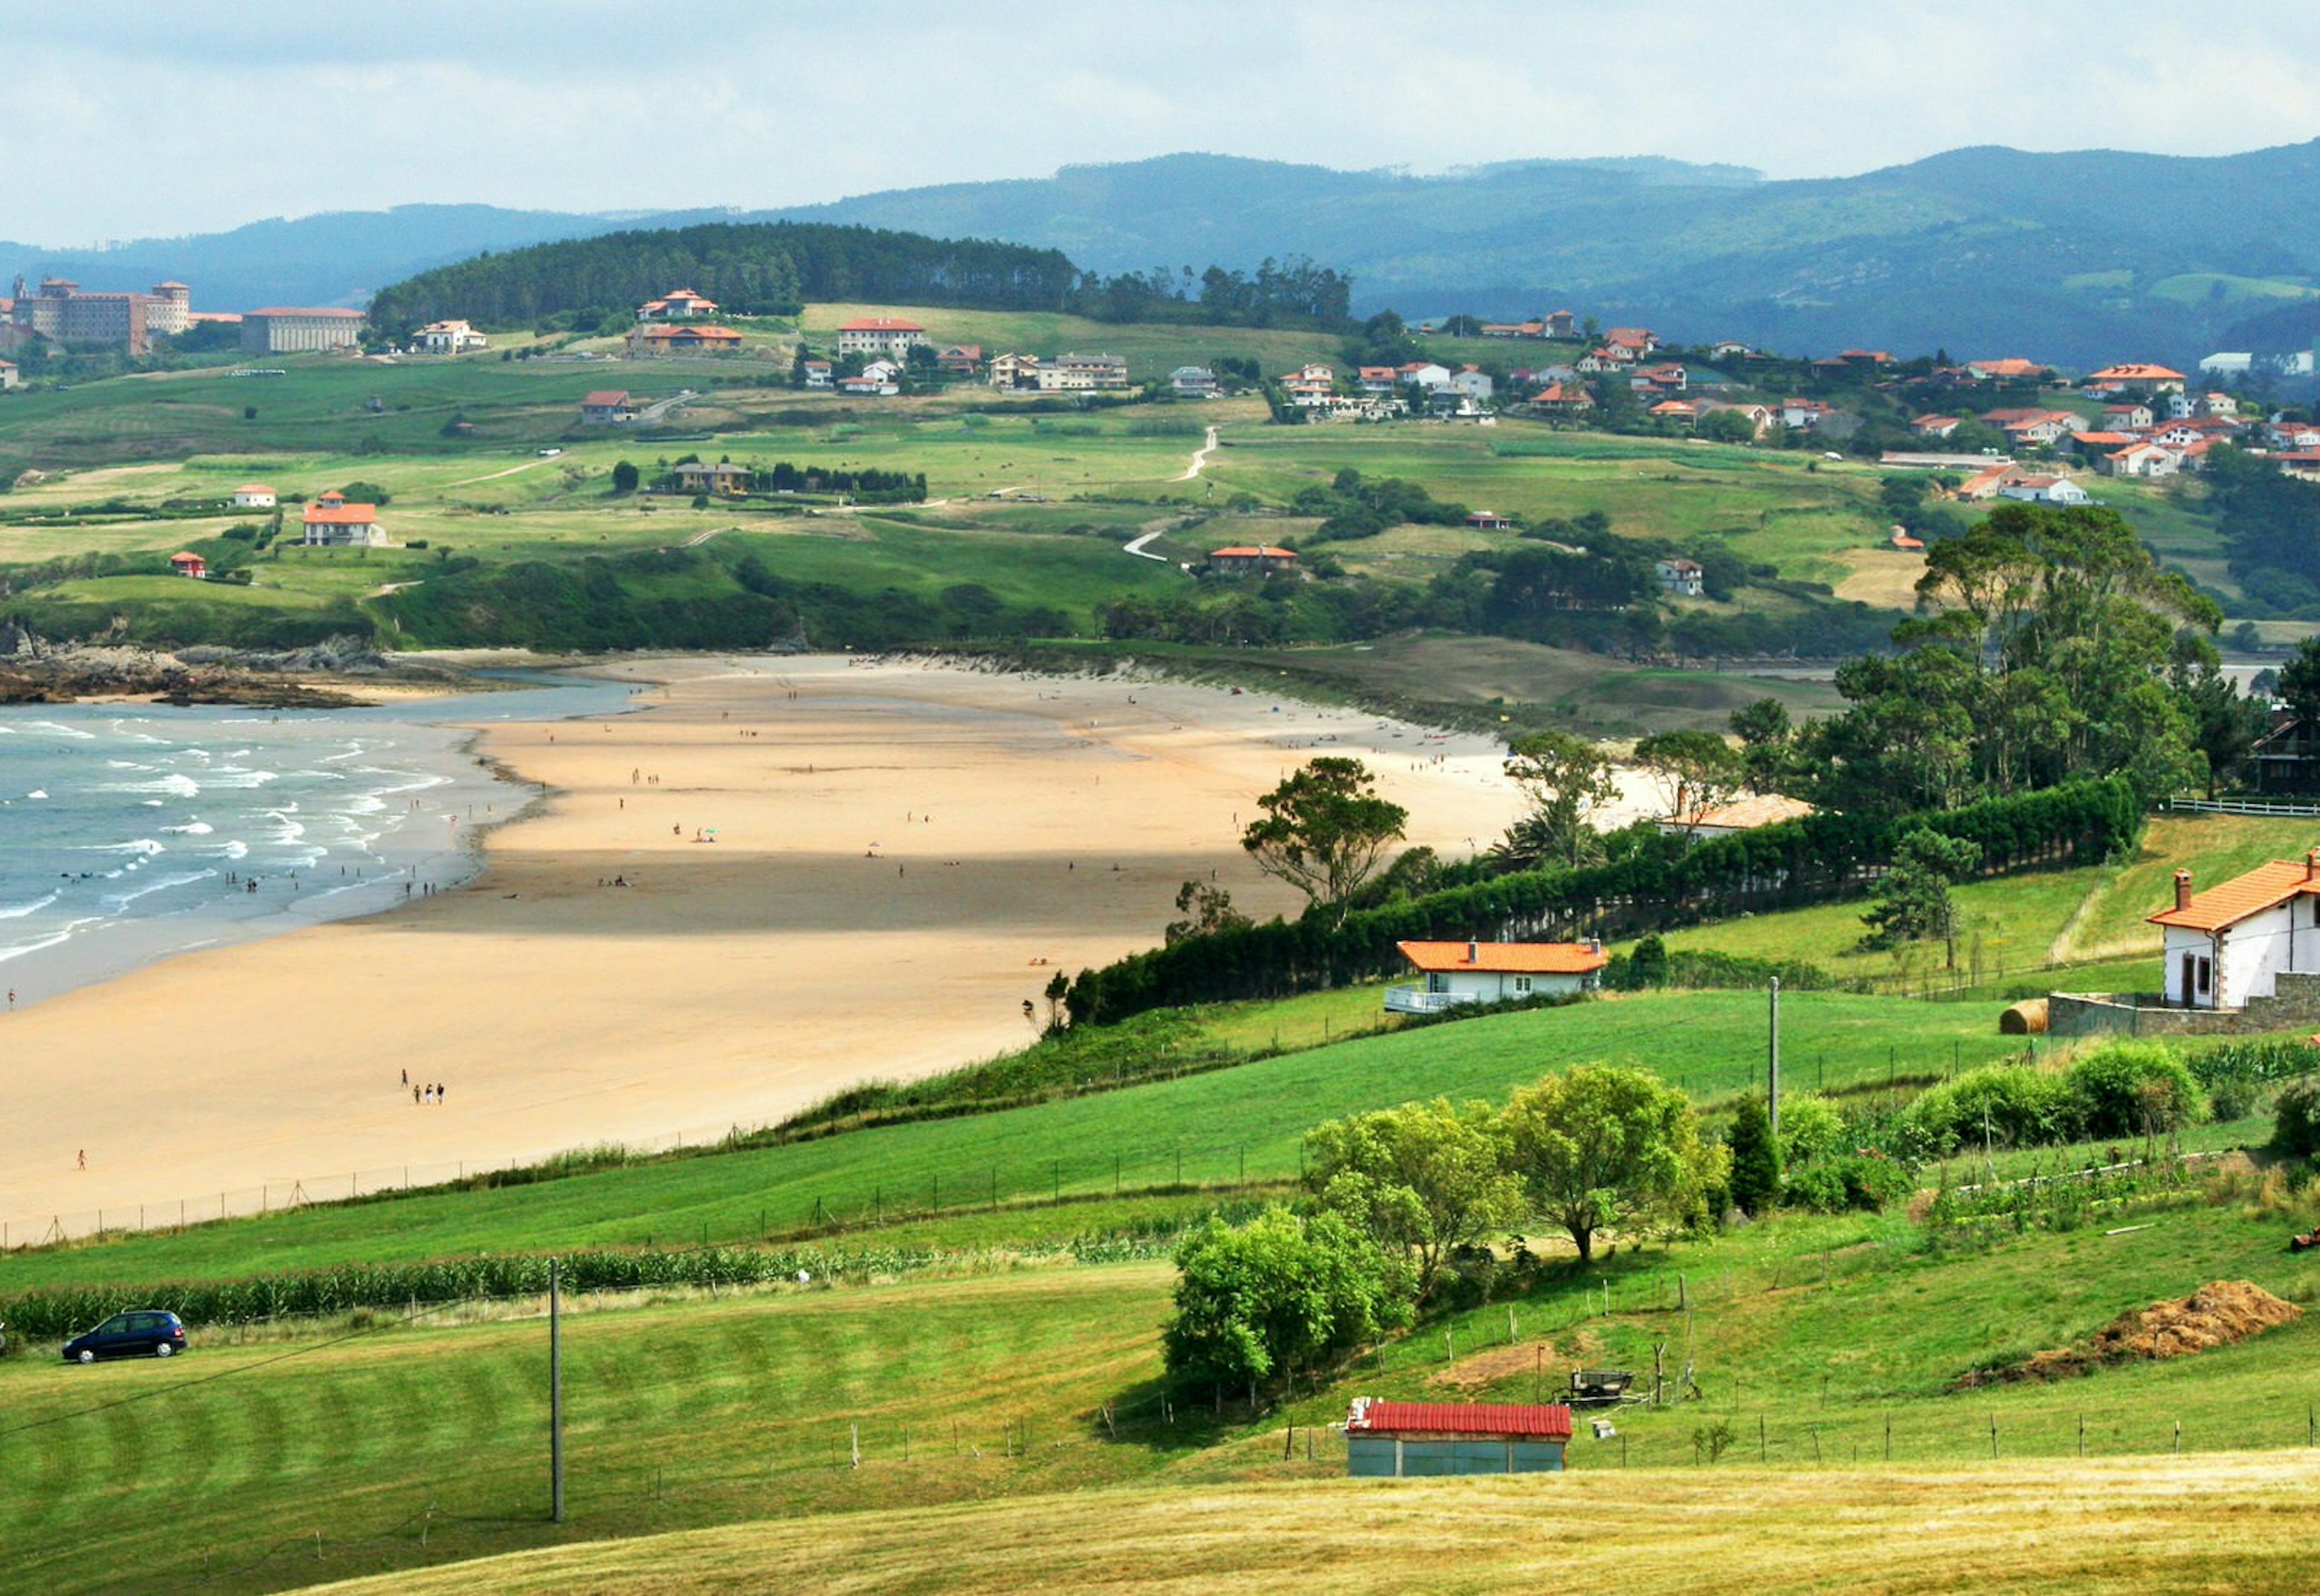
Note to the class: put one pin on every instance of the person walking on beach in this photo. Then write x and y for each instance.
(84, 1157)
(414, 1097)
(439, 1092)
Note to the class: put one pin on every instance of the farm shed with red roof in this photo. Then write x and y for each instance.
(1396, 1440)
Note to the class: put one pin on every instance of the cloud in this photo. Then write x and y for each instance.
(122, 126)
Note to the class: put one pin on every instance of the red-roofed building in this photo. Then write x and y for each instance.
(657, 338)
(2232, 942)
(682, 305)
(880, 335)
(1562, 399)
(1251, 560)
(607, 407)
(1476, 972)
(1400, 1440)
(189, 565)
(961, 359)
(2135, 376)
(253, 495)
(332, 522)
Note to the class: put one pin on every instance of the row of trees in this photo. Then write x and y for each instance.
(1396, 1195)
(1294, 292)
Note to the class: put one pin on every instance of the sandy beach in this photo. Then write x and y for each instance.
(832, 871)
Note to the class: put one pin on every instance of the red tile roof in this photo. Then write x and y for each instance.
(879, 324)
(1544, 1422)
(2264, 887)
(1505, 958)
(2135, 371)
(341, 514)
(604, 399)
(1242, 551)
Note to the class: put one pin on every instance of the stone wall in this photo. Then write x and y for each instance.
(2294, 1005)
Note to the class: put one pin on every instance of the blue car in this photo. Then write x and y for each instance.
(147, 1332)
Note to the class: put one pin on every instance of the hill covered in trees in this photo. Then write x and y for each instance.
(768, 268)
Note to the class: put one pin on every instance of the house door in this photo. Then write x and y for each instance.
(2190, 972)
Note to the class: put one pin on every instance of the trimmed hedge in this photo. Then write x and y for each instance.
(1812, 860)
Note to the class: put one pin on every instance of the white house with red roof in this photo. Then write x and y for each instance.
(680, 304)
(1477, 972)
(2045, 490)
(253, 495)
(1802, 416)
(189, 565)
(1253, 559)
(2137, 377)
(2139, 458)
(9, 377)
(607, 407)
(2232, 942)
(448, 338)
(881, 335)
(332, 522)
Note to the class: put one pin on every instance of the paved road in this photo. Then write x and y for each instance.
(1200, 456)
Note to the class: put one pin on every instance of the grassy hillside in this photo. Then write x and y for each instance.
(1216, 1129)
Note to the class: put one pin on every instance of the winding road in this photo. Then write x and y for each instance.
(1200, 457)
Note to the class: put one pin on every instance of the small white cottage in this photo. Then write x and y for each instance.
(2232, 942)
(1494, 972)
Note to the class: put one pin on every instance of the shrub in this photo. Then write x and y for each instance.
(2133, 1089)
(2296, 1119)
(1756, 1179)
(1811, 1129)
(2011, 1104)
(1863, 1181)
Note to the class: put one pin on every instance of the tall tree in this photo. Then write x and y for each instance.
(1605, 1147)
(1694, 771)
(1324, 831)
(1913, 899)
(1767, 744)
(1254, 1302)
(1567, 779)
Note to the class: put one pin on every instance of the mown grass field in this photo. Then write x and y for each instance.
(2098, 1529)
(1827, 1345)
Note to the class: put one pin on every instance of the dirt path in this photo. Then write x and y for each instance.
(495, 475)
(1200, 457)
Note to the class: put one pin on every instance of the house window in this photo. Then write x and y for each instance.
(2204, 974)
(1522, 985)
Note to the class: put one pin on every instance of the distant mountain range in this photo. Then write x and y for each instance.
(2080, 258)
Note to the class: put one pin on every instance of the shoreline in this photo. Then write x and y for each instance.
(841, 871)
(460, 779)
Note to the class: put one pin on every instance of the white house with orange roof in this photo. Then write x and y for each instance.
(682, 304)
(881, 335)
(448, 338)
(254, 495)
(1477, 972)
(2138, 377)
(2232, 942)
(332, 522)
(9, 377)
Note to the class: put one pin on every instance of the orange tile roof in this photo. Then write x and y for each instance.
(1505, 958)
(341, 514)
(1244, 551)
(2135, 371)
(879, 324)
(2264, 887)
(1764, 808)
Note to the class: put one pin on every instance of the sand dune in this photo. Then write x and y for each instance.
(902, 855)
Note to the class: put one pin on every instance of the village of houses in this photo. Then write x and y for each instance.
(2130, 420)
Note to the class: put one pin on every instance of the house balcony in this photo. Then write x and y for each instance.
(1417, 999)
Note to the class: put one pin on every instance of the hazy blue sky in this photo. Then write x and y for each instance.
(123, 119)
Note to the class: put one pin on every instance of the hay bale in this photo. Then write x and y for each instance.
(2025, 1018)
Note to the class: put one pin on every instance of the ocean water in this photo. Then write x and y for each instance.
(131, 832)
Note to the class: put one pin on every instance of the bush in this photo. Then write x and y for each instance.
(2296, 1119)
(1811, 1129)
(2011, 1104)
(1855, 1181)
(1255, 1303)
(2133, 1089)
(1754, 1183)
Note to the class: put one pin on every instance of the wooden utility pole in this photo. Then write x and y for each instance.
(554, 1393)
(1772, 1073)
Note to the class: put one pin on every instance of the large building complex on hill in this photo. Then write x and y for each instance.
(289, 330)
(60, 311)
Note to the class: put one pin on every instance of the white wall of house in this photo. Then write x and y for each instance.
(2244, 960)
(1491, 986)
